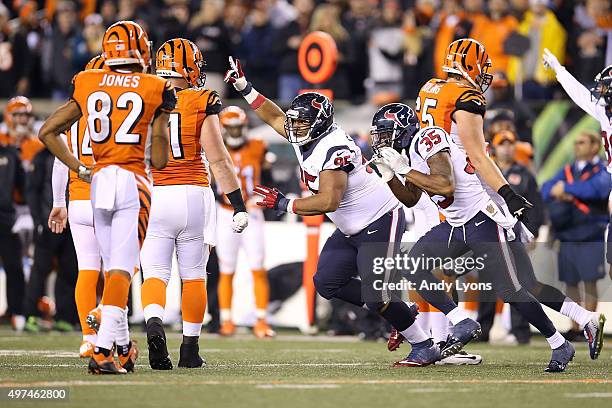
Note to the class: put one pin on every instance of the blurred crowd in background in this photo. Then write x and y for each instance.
(387, 48)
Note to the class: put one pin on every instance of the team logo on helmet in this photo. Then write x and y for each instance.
(324, 106)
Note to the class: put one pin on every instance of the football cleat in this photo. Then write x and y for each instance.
(463, 332)
(158, 350)
(421, 355)
(228, 328)
(262, 330)
(396, 338)
(86, 349)
(128, 361)
(560, 358)
(101, 364)
(94, 318)
(594, 333)
(461, 358)
(190, 356)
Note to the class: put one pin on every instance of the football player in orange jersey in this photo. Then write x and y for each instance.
(19, 128)
(458, 106)
(184, 186)
(127, 119)
(81, 221)
(248, 156)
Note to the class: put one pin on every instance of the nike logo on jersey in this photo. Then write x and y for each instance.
(480, 222)
(371, 232)
(478, 103)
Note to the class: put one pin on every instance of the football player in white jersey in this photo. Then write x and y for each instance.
(435, 165)
(369, 219)
(597, 102)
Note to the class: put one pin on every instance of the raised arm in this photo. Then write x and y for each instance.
(265, 109)
(574, 89)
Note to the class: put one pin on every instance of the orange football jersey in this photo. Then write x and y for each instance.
(439, 99)
(186, 165)
(248, 162)
(119, 109)
(80, 146)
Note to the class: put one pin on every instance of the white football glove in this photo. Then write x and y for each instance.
(240, 221)
(385, 171)
(550, 61)
(235, 76)
(395, 161)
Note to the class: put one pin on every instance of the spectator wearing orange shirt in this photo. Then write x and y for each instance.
(453, 24)
(492, 30)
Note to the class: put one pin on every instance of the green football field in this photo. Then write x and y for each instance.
(298, 371)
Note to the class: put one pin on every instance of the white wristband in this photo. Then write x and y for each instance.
(290, 206)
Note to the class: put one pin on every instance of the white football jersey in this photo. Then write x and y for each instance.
(366, 198)
(469, 197)
(582, 97)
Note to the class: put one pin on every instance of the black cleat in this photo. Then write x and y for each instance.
(463, 332)
(560, 358)
(190, 356)
(158, 350)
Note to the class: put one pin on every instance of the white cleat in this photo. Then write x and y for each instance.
(461, 358)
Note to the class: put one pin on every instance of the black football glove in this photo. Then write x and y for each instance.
(517, 204)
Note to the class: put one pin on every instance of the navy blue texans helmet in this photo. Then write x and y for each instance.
(308, 117)
(603, 86)
(394, 125)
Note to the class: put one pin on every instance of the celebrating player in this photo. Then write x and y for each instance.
(183, 185)
(473, 222)
(127, 118)
(364, 210)
(248, 156)
(457, 105)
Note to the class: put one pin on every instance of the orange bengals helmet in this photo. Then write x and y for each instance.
(233, 119)
(16, 105)
(96, 62)
(124, 43)
(468, 58)
(181, 58)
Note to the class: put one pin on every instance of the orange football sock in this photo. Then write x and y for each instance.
(261, 287)
(153, 292)
(193, 302)
(116, 291)
(85, 297)
(226, 291)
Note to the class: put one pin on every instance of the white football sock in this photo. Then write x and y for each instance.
(123, 331)
(576, 312)
(111, 319)
(226, 315)
(414, 334)
(423, 320)
(457, 315)
(556, 340)
(153, 310)
(440, 328)
(192, 329)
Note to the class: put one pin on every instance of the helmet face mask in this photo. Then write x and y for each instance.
(394, 125)
(602, 90)
(310, 115)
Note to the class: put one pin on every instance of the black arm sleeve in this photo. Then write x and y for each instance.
(472, 101)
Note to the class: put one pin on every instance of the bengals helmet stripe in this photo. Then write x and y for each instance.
(181, 58)
(468, 58)
(124, 43)
(96, 62)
